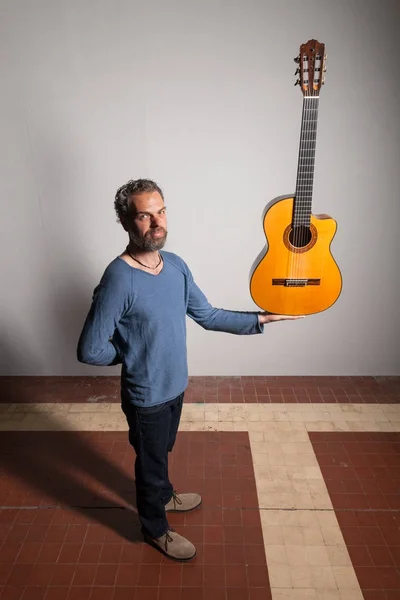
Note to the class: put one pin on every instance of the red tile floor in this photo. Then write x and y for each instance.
(367, 390)
(362, 474)
(69, 529)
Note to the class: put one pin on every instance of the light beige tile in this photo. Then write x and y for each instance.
(332, 535)
(210, 416)
(300, 486)
(282, 594)
(261, 459)
(258, 447)
(289, 448)
(327, 518)
(307, 518)
(294, 472)
(289, 518)
(262, 472)
(305, 594)
(11, 421)
(328, 595)
(281, 417)
(300, 435)
(346, 578)
(312, 473)
(239, 427)
(323, 578)
(292, 535)
(340, 425)
(338, 556)
(300, 426)
(304, 500)
(266, 417)
(256, 426)
(270, 517)
(321, 500)
(287, 500)
(296, 556)
(9, 407)
(255, 436)
(277, 460)
(317, 487)
(266, 486)
(302, 577)
(305, 447)
(279, 472)
(351, 595)
(269, 501)
(279, 577)
(276, 555)
(90, 408)
(272, 535)
(317, 556)
(313, 536)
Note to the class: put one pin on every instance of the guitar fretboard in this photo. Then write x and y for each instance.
(305, 167)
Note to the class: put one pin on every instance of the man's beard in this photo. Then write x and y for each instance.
(148, 243)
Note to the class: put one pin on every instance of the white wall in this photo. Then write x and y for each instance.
(198, 96)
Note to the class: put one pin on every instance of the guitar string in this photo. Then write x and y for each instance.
(306, 176)
(303, 185)
(299, 209)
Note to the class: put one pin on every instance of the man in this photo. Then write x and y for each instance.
(138, 318)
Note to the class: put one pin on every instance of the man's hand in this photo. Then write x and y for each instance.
(270, 318)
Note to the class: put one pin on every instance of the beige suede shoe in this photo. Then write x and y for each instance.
(173, 545)
(183, 502)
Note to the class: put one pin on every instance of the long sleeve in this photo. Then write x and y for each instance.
(218, 319)
(110, 302)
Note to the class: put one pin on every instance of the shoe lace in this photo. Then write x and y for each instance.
(176, 498)
(168, 538)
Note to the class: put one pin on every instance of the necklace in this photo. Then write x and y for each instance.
(145, 266)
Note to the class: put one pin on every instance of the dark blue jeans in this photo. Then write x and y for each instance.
(152, 433)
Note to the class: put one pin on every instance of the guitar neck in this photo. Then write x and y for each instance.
(305, 167)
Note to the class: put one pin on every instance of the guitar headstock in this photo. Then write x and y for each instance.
(311, 60)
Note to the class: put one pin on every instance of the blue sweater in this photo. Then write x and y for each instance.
(139, 320)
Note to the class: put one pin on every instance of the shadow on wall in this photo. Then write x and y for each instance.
(52, 467)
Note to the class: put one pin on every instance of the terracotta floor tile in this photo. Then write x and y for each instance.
(208, 389)
(367, 515)
(87, 544)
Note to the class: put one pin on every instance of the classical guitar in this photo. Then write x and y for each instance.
(297, 274)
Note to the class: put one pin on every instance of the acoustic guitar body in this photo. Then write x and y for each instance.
(297, 274)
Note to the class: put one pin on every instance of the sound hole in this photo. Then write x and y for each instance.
(300, 236)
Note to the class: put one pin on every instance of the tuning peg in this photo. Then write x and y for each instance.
(323, 80)
(297, 59)
(297, 82)
(297, 71)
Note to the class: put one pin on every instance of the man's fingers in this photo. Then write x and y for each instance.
(285, 317)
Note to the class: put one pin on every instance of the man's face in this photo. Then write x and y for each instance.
(147, 223)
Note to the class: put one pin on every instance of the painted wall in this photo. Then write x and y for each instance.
(198, 96)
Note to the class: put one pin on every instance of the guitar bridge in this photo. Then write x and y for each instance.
(296, 282)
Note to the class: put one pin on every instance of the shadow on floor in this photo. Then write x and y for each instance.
(76, 470)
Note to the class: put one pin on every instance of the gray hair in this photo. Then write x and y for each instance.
(126, 191)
